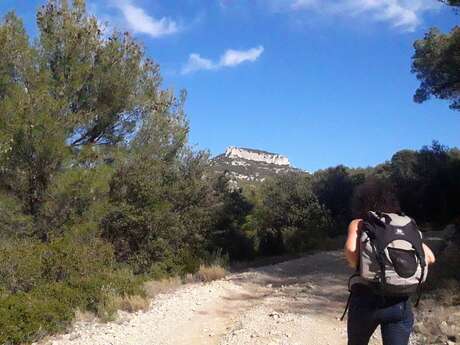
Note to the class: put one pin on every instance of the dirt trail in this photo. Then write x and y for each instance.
(297, 302)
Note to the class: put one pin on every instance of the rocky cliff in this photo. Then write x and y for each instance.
(250, 164)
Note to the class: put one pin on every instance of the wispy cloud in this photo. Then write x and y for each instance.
(403, 14)
(230, 58)
(139, 21)
(196, 62)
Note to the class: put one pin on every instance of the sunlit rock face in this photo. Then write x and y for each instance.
(244, 164)
(256, 156)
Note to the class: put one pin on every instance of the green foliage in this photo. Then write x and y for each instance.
(21, 268)
(72, 88)
(31, 139)
(13, 222)
(103, 84)
(289, 217)
(161, 205)
(158, 212)
(25, 318)
(76, 197)
(427, 182)
(436, 64)
(334, 188)
(43, 283)
(424, 184)
(60, 98)
(231, 215)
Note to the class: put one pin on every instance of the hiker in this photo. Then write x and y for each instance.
(388, 246)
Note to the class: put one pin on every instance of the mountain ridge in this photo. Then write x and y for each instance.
(249, 164)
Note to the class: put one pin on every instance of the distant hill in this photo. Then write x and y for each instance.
(245, 164)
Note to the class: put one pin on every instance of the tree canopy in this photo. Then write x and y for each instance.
(436, 63)
(70, 89)
(451, 2)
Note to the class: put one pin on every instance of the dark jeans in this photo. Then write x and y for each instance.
(367, 311)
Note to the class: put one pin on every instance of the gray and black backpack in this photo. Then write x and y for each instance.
(392, 259)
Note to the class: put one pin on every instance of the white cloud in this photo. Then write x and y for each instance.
(140, 22)
(196, 62)
(235, 57)
(400, 16)
(403, 14)
(230, 58)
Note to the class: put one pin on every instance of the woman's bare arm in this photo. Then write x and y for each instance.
(352, 244)
(429, 256)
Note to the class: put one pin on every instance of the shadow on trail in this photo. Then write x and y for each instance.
(314, 284)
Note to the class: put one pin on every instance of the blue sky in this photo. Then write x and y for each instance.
(325, 82)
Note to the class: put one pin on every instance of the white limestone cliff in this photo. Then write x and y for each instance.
(256, 155)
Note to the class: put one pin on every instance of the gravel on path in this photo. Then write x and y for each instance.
(297, 302)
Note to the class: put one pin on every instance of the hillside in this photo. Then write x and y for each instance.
(246, 164)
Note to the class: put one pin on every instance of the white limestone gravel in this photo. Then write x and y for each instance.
(292, 303)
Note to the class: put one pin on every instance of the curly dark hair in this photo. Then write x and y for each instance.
(375, 195)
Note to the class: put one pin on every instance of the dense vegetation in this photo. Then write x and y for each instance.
(99, 189)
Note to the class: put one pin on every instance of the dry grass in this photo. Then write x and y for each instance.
(132, 304)
(155, 287)
(190, 278)
(210, 273)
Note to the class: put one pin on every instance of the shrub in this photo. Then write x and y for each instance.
(26, 317)
(21, 265)
(334, 189)
(13, 223)
(43, 284)
(289, 217)
(50, 308)
(228, 233)
(76, 197)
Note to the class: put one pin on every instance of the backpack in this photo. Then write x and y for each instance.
(391, 256)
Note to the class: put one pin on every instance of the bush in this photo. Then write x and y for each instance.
(21, 265)
(43, 284)
(289, 217)
(228, 232)
(160, 214)
(13, 223)
(26, 317)
(334, 188)
(76, 197)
